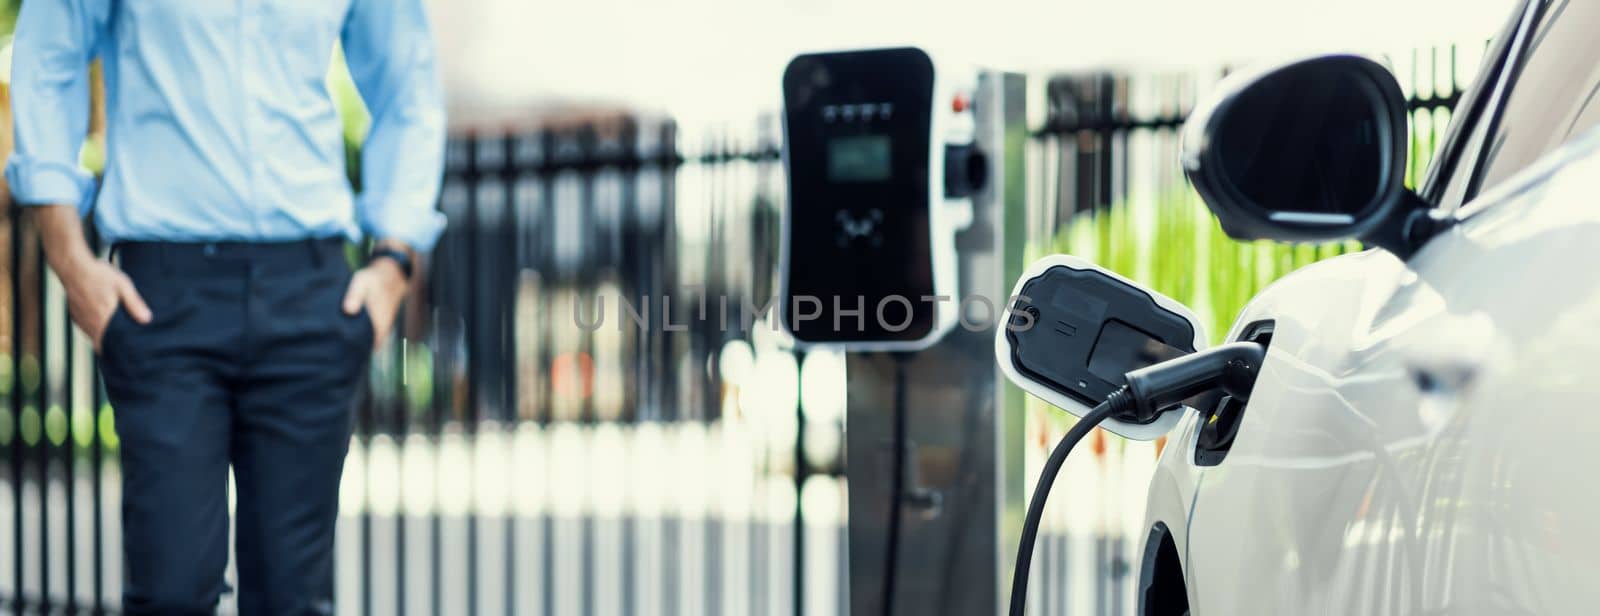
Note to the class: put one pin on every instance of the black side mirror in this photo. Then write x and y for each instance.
(1309, 151)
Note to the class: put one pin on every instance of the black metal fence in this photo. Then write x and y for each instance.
(506, 460)
(509, 461)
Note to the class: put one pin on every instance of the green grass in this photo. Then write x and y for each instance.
(1175, 246)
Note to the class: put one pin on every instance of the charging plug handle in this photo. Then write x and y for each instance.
(1232, 368)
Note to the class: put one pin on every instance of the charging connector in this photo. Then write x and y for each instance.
(1151, 391)
(1230, 368)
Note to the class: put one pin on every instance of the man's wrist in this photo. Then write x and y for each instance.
(62, 237)
(397, 253)
(388, 269)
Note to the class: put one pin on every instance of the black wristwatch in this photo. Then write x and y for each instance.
(400, 257)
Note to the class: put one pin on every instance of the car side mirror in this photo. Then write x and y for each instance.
(1075, 329)
(1312, 150)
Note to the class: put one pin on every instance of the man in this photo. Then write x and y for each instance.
(231, 331)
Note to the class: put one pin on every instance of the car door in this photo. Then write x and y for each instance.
(1412, 444)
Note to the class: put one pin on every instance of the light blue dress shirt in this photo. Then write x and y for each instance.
(220, 125)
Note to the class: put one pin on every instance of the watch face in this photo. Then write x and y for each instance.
(858, 132)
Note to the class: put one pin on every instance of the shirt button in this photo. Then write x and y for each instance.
(211, 250)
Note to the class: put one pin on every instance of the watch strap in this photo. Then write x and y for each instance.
(400, 258)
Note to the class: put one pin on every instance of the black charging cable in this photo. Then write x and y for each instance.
(1150, 391)
(1030, 525)
(897, 466)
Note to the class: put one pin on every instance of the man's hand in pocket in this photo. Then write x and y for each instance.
(381, 287)
(95, 289)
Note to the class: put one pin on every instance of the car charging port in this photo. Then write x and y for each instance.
(1221, 425)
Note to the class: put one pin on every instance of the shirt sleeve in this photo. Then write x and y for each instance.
(390, 51)
(55, 41)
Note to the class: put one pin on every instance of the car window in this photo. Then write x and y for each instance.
(1554, 96)
(1450, 173)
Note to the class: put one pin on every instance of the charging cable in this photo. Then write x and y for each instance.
(1150, 391)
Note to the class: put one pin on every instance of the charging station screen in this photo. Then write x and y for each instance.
(859, 132)
(859, 159)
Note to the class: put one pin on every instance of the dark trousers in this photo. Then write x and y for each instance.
(249, 362)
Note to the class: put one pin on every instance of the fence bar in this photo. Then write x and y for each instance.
(42, 445)
(435, 429)
(399, 403)
(543, 261)
(474, 359)
(364, 439)
(15, 271)
(70, 475)
(97, 487)
(509, 230)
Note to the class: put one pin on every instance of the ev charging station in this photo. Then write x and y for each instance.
(881, 164)
(901, 239)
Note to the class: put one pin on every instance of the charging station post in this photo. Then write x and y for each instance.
(961, 485)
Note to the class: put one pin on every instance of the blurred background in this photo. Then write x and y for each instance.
(508, 461)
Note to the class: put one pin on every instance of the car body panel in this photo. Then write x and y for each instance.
(1418, 440)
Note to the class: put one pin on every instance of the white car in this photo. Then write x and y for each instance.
(1420, 439)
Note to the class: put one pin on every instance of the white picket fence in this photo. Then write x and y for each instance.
(677, 519)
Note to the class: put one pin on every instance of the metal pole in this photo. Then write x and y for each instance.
(954, 551)
(802, 471)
